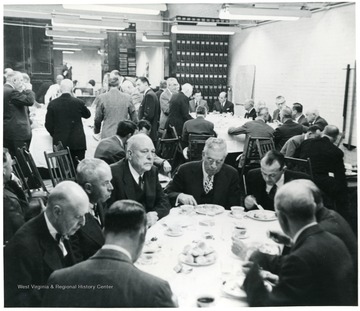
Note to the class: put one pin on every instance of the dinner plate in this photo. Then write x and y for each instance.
(261, 215)
(232, 288)
(182, 259)
(209, 208)
(151, 247)
(174, 234)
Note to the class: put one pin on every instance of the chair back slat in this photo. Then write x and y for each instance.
(19, 174)
(299, 165)
(196, 146)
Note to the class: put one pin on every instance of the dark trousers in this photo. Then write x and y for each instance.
(77, 156)
(12, 145)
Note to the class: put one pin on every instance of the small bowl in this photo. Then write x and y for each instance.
(205, 301)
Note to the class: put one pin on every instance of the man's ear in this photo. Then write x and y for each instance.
(88, 187)
(57, 210)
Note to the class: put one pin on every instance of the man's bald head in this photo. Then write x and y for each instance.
(140, 152)
(187, 89)
(331, 131)
(66, 86)
(59, 78)
(127, 87)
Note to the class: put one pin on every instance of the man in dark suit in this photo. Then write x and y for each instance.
(137, 179)
(17, 99)
(109, 278)
(262, 183)
(288, 129)
(280, 103)
(297, 114)
(197, 101)
(255, 128)
(223, 105)
(172, 88)
(314, 118)
(162, 88)
(318, 271)
(41, 246)
(198, 126)
(112, 149)
(63, 121)
(179, 109)
(94, 176)
(206, 181)
(150, 106)
(250, 110)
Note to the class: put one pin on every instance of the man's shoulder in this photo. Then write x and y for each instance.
(118, 166)
(290, 175)
(192, 165)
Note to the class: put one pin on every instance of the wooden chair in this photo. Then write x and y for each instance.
(60, 165)
(20, 175)
(60, 146)
(299, 165)
(264, 145)
(196, 146)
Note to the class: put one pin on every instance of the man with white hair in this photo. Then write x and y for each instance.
(63, 121)
(314, 118)
(172, 88)
(17, 99)
(54, 90)
(128, 87)
(280, 104)
(250, 110)
(179, 109)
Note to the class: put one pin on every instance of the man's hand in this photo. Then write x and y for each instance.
(166, 167)
(279, 237)
(247, 266)
(239, 248)
(186, 199)
(152, 218)
(250, 202)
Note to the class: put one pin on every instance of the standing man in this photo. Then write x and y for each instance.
(94, 176)
(162, 88)
(179, 109)
(41, 246)
(280, 102)
(297, 114)
(136, 178)
(54, 90)
(119, 282)
(111, 108)
(129, 88)
(63, 121)
(150, 106)
(223, 105)
(17, 99)
(250, 110)
(197, 101)
(172, 88)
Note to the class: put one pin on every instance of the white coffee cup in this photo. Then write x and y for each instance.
(237, 211)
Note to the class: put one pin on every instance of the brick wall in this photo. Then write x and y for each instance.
(302, 60)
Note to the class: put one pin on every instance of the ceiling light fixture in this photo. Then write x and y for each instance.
(233, 12)
(65, 43)
(206, 30)
(64, 48)
(68, 52)
(78, 22)
(145, 9)
(75, 34)
(154, 38)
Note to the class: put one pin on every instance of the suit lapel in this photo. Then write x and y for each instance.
(92, 230)
(128, 180)
(149, 188)
(101, 212)
(197, 171)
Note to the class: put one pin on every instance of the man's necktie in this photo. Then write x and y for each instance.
(141, 183)
(208, 185)
(272, 192)
(61, 241)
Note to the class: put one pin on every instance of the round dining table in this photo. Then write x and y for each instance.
(162, 254)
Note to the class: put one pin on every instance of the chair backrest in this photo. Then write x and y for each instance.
(264, 145)
(59, 146)
(167, 148)
(29, 170)
(19, 174)
(196, 146)
(299, 165)
(339, 139)
(60, 165)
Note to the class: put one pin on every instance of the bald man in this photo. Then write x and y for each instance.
(63, 121)
(54, 90)
(314, 118)
(136, 178)
(41, 245)
(223, 105)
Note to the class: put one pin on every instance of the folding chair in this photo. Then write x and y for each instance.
(299, 165)
(196, 146)
(60, 165)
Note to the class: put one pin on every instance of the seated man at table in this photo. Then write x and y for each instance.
(255, 128)
(198, 126)
(262, 183)
(112, 149)
(314, 118)
(109, 278)
(207, 181)
(223, 105)
(250, 110)
(318, 271)
(197, 101)
(137, 179)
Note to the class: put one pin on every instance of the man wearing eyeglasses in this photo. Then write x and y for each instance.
(280, 103)
(208, 181)
(262, 183)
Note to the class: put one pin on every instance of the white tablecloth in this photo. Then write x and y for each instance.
(206, 279)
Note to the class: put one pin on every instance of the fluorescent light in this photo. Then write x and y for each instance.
(65, 43)
(68, 52)
(146, 9)
(207, 30)
(75, 34)
(154, 38)
(64, 48)
(76, 22)
(233, 12)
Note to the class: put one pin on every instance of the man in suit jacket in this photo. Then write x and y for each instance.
(297, 114)
(112, 107)
(150, 106)
(179, 109)
(63, 121)
(280, 103)
(94, 176)
(250, 110)
(318, 271)
(314, 118)
(17, 99)
(41, 246)
(137, 179)
(112, 149)
(109, 278)
(172, 88)
(288, 129)
(207, 181)
(197, 101)
(198, 126)
(262, 183)
(223, 105)
(256, 128)
(162, 88)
